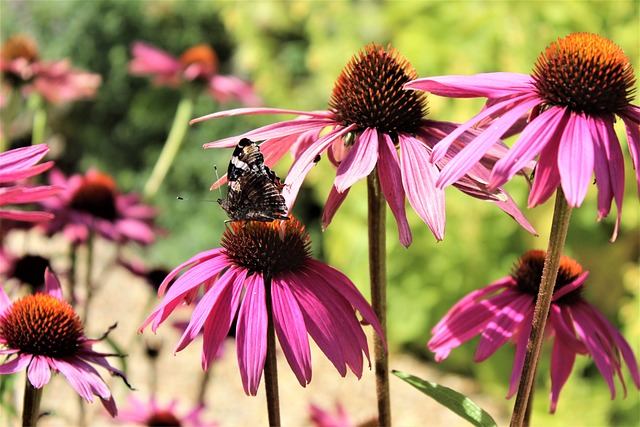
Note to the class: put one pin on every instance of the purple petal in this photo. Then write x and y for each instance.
(575, 159)
(487, 85)
(249, 111)
(541, 131)
(521, 348)
(219, 320)
(473, 152)
(503, 325)
(52, 285)
(561, 322)
(291, 330)
(562, 360)
(510, 207)
(631, 118)
(251, 336)
(16, 365)
(360, 160)
(391, 186)
(418, 179)
(570, 287)
(334, 201)
(547, 175)
(39, 371)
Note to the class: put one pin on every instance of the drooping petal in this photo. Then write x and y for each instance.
(251, 334)
(15, 365)
(360, 160)
(20, 163)
(419, 177)
(52, 285)
(503, 325)
(249, 111)
(39, 371)
(391, 186)
(521, 349)
(575, 159)
(484, 85)
(219, 320)
(546, 127)
(547, 175)
(632, 122)
(334, 201)
(291, 330)
(562, 360)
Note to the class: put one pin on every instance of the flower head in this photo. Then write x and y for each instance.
(44, 333)
(578, 85)
(17, 56)
(15, 166)
(28, 269)
(373, 125)
(576, 326)
(197, 64)
(152, 413)
(309, 298)
(92, 202)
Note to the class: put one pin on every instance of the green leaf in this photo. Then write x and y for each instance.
(457, 402)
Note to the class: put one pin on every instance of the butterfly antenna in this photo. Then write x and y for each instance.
(187, 199)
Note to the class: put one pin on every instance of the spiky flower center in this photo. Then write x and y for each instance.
(42, 325)
(202, 56)
(162, 419)
(528, 274)
(269, 248)
(585, 73)
(369, 93)
(96, 195)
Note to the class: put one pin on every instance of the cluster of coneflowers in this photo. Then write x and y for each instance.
(263, 280)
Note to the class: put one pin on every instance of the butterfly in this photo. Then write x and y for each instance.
(254, 191)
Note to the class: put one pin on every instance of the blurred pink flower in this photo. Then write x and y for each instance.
(576, 326)
(44, 333)
(322, 418)
(56, 81)
(373, 126)
(309, 299)
(151, 413)
(579, 84)
(19, 164)
(198, 63)
(92, 202)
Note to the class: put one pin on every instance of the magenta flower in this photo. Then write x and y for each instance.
(152, 413)
(579, 84)
(577, 326)
(92, 202)
(44, 333)
(197, 64)
(369, 118)
(309, 298)
(17, 58)
(17, 165)
(322, 418)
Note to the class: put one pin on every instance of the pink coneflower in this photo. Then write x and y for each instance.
(28, 269)
(17, 57)
(19, 164)
(578, 86)
(45, 334)
(197, 64)
(576, 326)
(92, 202)
(370, 118)
(152, 413)
(309, 298)
(322, 418)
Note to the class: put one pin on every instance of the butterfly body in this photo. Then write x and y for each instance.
(254, 190)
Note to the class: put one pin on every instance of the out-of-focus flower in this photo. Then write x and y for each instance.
(92, 202)
(56, 81)
(45, 334)
(152, 413)
(578, 87)
(17, 165)
(27, 269)
(576, 326)
(375, 126)
(322, 418)
(198, 64)
(309, 298)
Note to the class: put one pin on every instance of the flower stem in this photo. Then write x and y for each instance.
(171, 146)
(31, 404)
(378, 280)
(559, 226)
(39, 122)
(270, 366)
(89, 277)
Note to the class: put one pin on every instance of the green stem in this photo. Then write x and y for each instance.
(39, 122)
(171, 146)
(557, 237)
(270, 365)
(88, 278)
(378, 280)
(31, 404)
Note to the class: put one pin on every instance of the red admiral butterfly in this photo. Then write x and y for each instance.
(254, 191)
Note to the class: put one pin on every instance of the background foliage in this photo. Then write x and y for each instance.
(293, 51)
